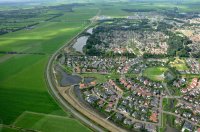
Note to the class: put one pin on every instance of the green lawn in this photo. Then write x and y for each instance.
(49, 123)
(169, 104)
(163, 123)
(155, 73)
(181, 67)
(179, 64)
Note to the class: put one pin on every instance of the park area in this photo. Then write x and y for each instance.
(179, 64)
(155, 73)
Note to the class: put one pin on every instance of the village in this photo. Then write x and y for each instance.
(135, 101)
(138, 77)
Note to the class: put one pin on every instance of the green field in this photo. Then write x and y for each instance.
(179, 64)
(22, 82)
(48, 123)
(168, 123)
(8, 129)
(168, 104)
(155, 73)
(22, 79)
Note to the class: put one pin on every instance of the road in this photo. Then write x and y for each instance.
(55, 93)
(170, 113)
(69, 95)
(68, 101)
(64, 104)
(166, 88)
(136, 120)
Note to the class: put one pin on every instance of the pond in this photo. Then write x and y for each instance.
(67, 79)
(90, 30)
(80, 43)
(88, 79)
(170, 129)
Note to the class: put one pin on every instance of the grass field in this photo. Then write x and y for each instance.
(168, 124)
(8, 129)
(155, 73)
(168, 104)
(22, 81)
(48, 123)
(179, 64)
(163, 123)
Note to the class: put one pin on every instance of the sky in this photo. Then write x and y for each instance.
(74, 0)
(67, 1)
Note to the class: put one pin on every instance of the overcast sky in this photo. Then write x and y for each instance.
(74, 0)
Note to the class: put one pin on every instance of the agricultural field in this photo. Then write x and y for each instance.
(7, 129)
(48, 123)
(22, 81)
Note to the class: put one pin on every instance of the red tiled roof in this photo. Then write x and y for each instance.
(82, 85)
(153, 117)
(93, 83)
(184, 90)
(129, 86)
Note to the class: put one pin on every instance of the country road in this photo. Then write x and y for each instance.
(68, 101)
(53, 91)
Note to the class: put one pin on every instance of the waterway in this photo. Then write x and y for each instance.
(88, 79)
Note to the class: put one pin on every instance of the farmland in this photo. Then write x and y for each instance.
(43, 122)
(22, 79)
(28, 41)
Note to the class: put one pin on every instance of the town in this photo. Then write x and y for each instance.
(134, 76)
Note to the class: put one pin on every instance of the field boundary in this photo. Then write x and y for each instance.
(42, 114)
(18, 118)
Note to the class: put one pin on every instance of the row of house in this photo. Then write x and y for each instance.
(194, 84)
(194, 66)
(135, 125)
(188, 111)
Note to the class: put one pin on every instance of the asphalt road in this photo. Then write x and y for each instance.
(55, 94)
